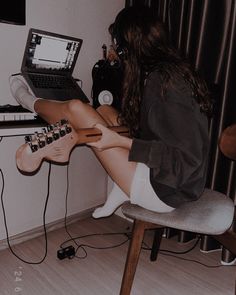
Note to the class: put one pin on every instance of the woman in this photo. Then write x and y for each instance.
(165, 106)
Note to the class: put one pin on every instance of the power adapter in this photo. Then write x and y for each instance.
(68, 252)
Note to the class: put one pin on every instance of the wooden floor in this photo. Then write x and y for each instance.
(101, 271)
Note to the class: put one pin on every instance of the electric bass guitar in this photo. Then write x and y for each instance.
(55, 144)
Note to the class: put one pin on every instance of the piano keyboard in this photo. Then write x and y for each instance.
(16, 130)
(15, 120)
(10, 113)
(7, 117)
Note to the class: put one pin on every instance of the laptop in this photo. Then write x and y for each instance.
(48, 63)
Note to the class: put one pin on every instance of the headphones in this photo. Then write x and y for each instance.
(121, 51)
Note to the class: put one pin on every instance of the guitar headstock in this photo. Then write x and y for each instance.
(54, 143)
(48, 135)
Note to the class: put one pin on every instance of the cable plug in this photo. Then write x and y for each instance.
(68, 252)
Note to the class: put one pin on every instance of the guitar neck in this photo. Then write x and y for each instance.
(93, 134)
(56, 144)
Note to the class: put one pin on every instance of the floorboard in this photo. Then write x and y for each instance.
(100, 273)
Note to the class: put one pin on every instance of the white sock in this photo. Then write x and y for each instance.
(20, 92)
(116, 198)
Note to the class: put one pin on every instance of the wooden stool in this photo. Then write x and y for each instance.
(212, 214)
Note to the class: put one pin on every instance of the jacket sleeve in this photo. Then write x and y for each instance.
(176, 149)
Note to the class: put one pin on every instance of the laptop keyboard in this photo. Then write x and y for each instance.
(51, 82)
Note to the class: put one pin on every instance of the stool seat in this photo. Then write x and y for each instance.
(211, 214)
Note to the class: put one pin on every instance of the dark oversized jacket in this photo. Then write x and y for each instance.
(173, 140)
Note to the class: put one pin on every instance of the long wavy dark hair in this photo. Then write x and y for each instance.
(144, 46)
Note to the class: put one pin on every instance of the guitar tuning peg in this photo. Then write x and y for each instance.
(63, 121)
(28, 138)
(41, 142)
(50, 127)
(55, 135)
(49, 139)
(34, 147)
(62, 131)
(68, 129)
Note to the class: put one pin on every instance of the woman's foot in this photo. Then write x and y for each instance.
(20, 92)
(115, 199)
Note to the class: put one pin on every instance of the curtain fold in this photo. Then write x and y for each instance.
(204, 31)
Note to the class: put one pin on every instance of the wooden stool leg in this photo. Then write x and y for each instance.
(156, 243)
(133, 256)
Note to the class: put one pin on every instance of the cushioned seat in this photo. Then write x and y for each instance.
(211, 214)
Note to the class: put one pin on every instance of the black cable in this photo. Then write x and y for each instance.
(74, 239)
(82, 246)
(66, 210)
(44, 220)
(174, 253)
(107, 247)
(196, 261)
(127, 234)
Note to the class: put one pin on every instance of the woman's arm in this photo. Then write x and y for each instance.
(179, 145)
(110, 139)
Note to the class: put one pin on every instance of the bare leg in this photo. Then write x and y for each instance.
(116, 197)
(81, 115)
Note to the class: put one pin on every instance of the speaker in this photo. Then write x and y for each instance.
(107, 83)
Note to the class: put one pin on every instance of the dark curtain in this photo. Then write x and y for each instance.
(204, 32)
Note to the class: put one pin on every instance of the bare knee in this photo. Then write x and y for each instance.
(75, 111)
(81, 115)
(75, 106)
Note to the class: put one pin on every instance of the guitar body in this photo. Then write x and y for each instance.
(55, 144)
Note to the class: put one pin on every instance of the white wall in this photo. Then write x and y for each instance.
(24, 196)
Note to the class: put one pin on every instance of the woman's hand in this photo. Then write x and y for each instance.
(110, 139)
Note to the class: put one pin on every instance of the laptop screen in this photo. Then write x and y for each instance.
(50, 52)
